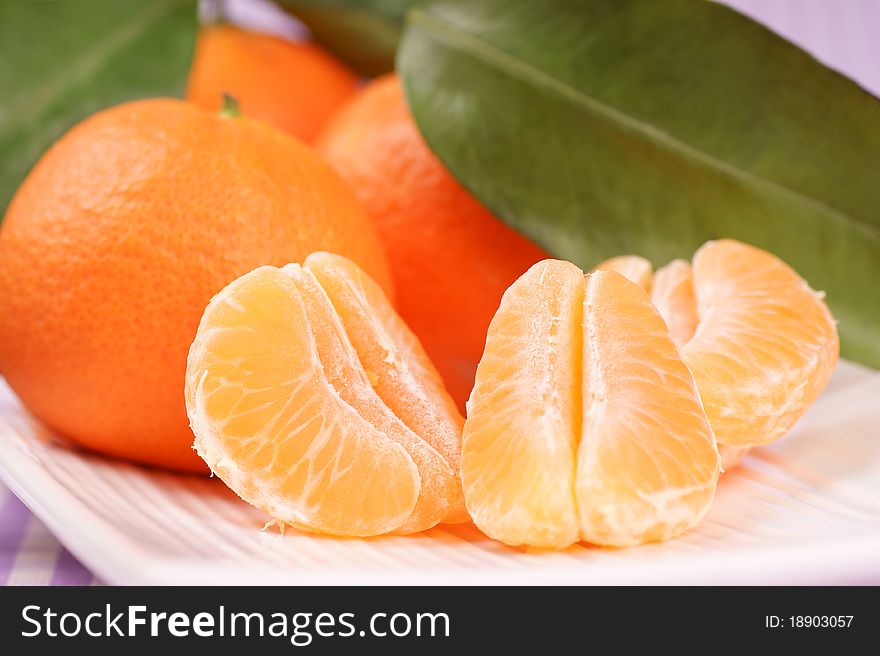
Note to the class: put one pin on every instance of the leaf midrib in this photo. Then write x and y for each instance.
(517, 68)
(31, 103)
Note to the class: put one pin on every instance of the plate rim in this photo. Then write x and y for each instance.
(112, 560)
(115, 557)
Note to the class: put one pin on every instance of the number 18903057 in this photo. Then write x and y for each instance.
(809, 621)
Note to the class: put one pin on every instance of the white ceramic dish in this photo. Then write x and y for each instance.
(804, 510)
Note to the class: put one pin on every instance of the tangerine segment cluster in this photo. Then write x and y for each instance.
(760, 342)
(584, 423)
(312, 400)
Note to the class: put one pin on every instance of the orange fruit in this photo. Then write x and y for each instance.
(313, 401)
(295, 86)
(451, 260)
(584, 423)
(117, 240)
(761, 343)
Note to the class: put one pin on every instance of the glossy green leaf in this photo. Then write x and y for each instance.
(642, 126)
(363, 33)
(61, 61)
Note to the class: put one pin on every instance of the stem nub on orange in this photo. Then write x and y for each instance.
(120, 236)
(295, 86)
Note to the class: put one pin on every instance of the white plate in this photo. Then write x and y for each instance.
(805, 510)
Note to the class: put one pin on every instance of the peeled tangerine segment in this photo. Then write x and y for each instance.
(396, 364)
(765, 346)
(522, 431)
(584, 423)
(761, 343)
(302, 390)
(673, 294)
(632, 267)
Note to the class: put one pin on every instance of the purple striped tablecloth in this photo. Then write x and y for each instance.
(841, 33)
(29, 554)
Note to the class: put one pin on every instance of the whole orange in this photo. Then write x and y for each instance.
(118, 238)
(294, 86)
(451, 259)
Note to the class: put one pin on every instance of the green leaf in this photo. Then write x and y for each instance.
(61, 61)
(635, 126)
(363, 33)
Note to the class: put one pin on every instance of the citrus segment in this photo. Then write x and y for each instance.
(584, 422)
(673, 294)
(765, 345)
(398, 368)
(632, 267)
(647, 460)
(286, 413)
(268, 422)
(347, 376)
(520, 438)
(761, 343)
